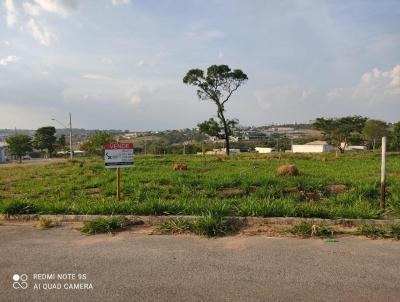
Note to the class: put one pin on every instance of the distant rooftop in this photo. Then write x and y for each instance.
(317, 143)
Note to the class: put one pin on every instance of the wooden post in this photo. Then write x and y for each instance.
(118, 183)
(383, 173)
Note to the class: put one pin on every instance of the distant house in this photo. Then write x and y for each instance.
(223, 151)
(313, 147)
(353, 148)
(3, 152)
(264, 149)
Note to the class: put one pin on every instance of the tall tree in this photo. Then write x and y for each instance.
(95, 142)
(217, 85)
(19, 145)
(45, 139)
(61, 142)
(373, 131)
(216, 129)
(396, 136)
(339, 130)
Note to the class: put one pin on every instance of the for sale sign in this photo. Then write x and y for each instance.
(118, 155)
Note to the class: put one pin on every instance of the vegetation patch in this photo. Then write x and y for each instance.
(394, 231)
(175, 226)
(374, 231)
(18, 207)
(306, 229)
(151, 187)
(45, 223)
(105, 225)
(207, 225)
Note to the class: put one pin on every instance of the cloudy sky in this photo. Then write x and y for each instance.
(120, 63)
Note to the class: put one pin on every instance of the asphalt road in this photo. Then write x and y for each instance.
(139, 267)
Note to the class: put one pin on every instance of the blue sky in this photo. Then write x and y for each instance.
(120, 63)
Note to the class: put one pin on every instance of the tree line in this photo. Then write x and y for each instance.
(44, 140)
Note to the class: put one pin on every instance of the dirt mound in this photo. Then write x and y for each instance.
(334, 189)
(231, 191)
(290, 170)
(180, 167)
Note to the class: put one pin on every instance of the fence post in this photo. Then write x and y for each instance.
(383, 173)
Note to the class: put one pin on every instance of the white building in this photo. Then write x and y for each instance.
(353, 148)
(3, 154)
(264, 149)
(223, 151)
(313, 147)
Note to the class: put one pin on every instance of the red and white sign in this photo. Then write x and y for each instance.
(118, 155)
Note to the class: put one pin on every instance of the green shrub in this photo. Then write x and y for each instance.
(208, 225)
(371, 231)
(18, 207)
(212, 226)
(175, 226)
(307, 229)
(394, 231)
(45, 223)
(105, 225)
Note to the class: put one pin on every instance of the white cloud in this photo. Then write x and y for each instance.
(377, 85)
(59, 7)
(205, 34)
(119, 2)
(31, 9)
(139, 63)
(135, 99)
(95, 76)
(8, 60)
(220, 54)
(374, 86)
(6, 43)
(40, 33)
(11, 13)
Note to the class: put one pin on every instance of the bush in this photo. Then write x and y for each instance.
(105, 225)
(175, 226)
(17, 207)
(45, 223)
(371, 231)
(394, 231)
(209, 225)
(307, 229)
(212, 226)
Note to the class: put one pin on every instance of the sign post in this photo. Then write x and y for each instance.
(383, 174)
(118, 156)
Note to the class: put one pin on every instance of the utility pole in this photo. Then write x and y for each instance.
(71, 151)
(383, 174)
(70, 137)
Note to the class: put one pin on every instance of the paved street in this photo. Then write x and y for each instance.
(64, 265)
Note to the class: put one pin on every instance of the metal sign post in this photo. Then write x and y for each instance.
(118, 156)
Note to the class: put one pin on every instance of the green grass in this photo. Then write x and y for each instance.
(207, 225)
(374, 231)
(105, 225)
(244, 185)
(45, 223)
(306, 229)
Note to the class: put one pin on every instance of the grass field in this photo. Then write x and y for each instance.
(244, 185)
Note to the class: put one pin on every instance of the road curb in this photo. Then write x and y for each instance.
(249, 221)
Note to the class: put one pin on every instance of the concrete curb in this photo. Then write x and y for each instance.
(249, 221)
